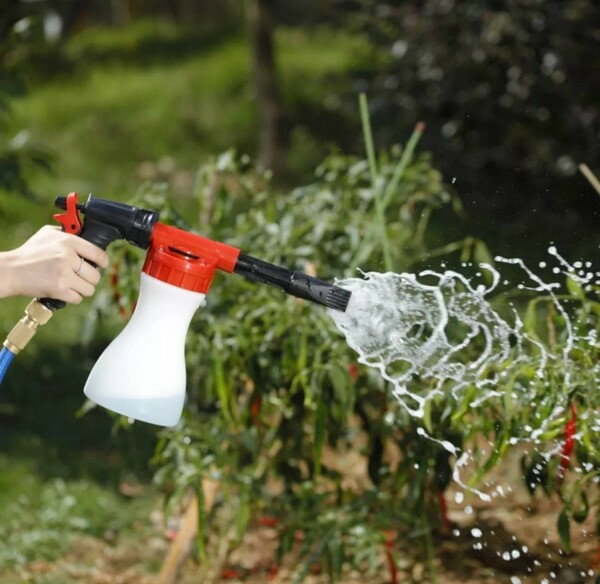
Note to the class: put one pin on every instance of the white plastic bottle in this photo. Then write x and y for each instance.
(142, 372)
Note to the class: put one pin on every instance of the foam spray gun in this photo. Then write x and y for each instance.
(142, 373)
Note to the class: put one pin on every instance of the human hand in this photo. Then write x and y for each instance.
(52, 264)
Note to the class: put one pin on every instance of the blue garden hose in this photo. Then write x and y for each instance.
(6, 358)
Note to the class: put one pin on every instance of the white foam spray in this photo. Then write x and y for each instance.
(438, 332)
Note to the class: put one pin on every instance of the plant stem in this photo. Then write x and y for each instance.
(377, 189)
(406, 157)
(368, 135)
(585, 170)
(430, 550)
(382, 200)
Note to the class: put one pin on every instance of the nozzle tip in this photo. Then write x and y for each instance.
(337, 298)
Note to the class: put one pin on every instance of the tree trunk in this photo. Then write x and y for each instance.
(270, 111)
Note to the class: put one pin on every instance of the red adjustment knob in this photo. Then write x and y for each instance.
(70, 220)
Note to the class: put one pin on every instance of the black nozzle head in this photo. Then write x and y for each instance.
(305, 286)
(338, 298)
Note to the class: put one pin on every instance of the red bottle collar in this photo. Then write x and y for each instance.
(187, 260)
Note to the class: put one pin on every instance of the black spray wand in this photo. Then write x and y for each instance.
(296, 284)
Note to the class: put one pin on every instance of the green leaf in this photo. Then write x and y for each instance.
(427, 417)
(320, 420)
(530, 319)
(87, 406)
(222, 389)
(482, 254)
(336, 556)
(581, 513)
(242, 516)
(563, 525)
(575, 289)
(201, 537)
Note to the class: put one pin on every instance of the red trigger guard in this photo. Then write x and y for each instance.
(70, 220)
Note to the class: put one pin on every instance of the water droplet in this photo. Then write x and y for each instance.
(476, 532)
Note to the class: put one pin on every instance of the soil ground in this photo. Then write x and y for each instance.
(511, 540)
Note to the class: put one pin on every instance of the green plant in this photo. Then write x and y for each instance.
(275, 396)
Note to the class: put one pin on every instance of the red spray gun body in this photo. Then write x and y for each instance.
(187, 253)
(141, 374)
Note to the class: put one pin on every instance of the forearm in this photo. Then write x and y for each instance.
(8, 275)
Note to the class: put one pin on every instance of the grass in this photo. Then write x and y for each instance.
(104, 121)
(41, 518)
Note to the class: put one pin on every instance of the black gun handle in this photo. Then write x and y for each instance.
(52, 303)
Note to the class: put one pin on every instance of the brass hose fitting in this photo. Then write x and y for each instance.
(36, 314)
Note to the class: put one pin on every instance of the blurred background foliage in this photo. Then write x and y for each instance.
(507, 90)
(107, 96)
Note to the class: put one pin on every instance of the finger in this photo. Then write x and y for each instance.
(70, 296)
(89, 273)
(90, 252)
(82, 287)
(50, 228)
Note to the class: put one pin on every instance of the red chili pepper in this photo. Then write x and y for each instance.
(353, 371)
(255, 406)
(268, 521)
(114, 282)
(388, 544)
(443, 510)
(595, 565)
(568, 446)
(114, 275)
(231, 574)
(273, 571)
